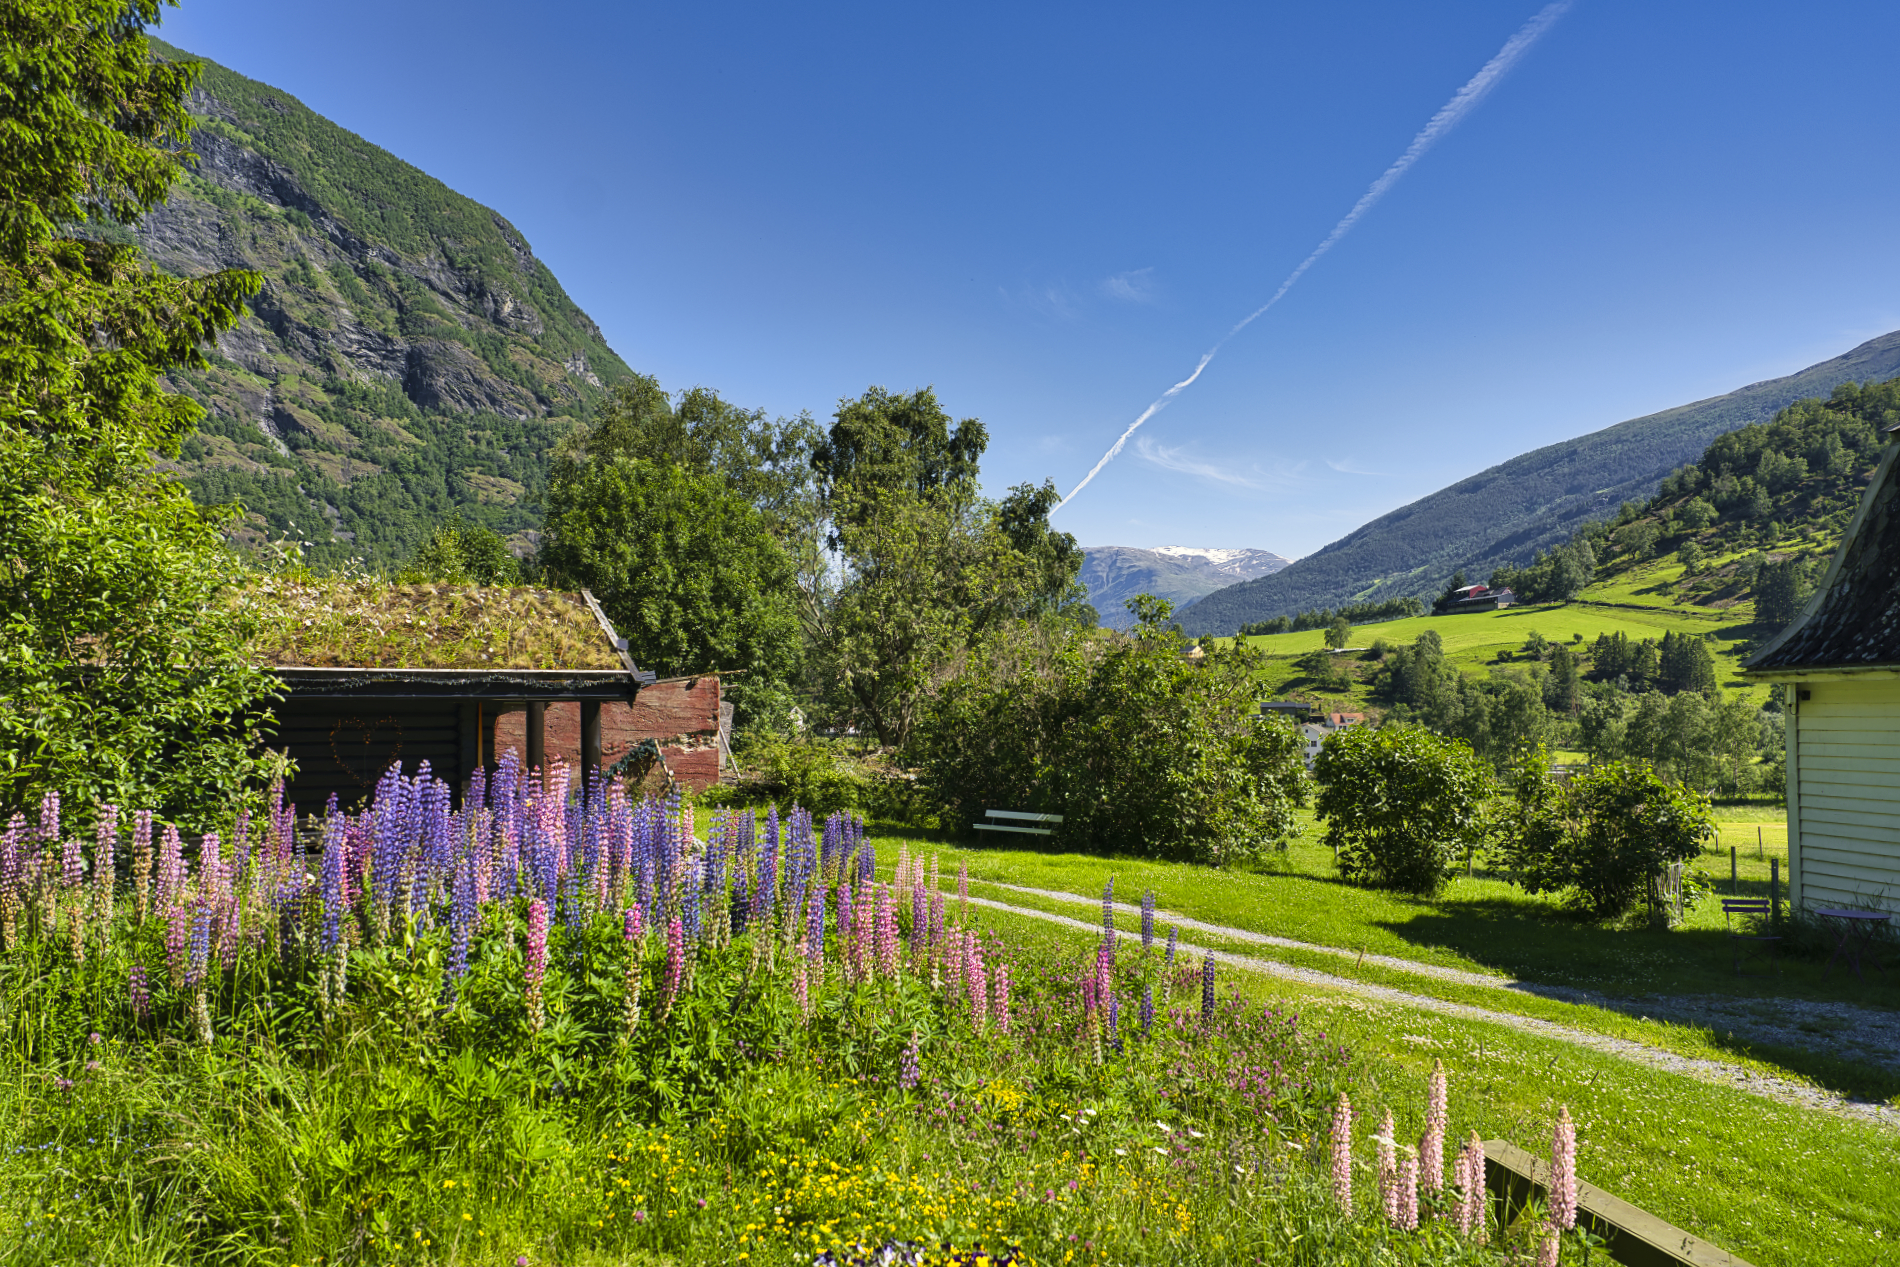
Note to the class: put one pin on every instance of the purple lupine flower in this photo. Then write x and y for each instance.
(867, 861)
(1207, 986)
(142, 862)
(171, 868)
(462, 919)
(1147, 1007)
(177, 943)
(919, 924)
(1342, 1154)
(335, 901)
(535, 963)
(73, 864)
(999, 998)
(200, 951)
(140, 992)
(909, 1071)
(1174, 935)
(963, 893)
(1104, 976)
(1108, 917)
(105, 863)
(1114, 1015)
(1563, 1171)
(1431, 1145)
(815, 923)
(1148, 921)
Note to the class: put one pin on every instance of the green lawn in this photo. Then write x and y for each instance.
(1775, 1184)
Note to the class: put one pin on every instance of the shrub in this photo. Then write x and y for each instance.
(1602, 839)
(1400, 804)
(1137, 747)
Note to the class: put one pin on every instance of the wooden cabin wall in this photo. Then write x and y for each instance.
(344, 746)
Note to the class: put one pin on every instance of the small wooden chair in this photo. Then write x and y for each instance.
(1738, 909)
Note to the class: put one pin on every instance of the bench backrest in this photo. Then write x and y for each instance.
(1022, 817)
(1745, 906)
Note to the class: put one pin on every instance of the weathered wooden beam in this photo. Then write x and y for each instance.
(1636, 1237)
(590, 736)
(537, 734)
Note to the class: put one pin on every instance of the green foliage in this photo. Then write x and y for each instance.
(462, 554)
(1401, 804)
(1140, 749)
(124, 675)
(1553, 577)
(682, 565)
(1605, 837)
(1339, 633)
(1703, 742)
(1351, 613)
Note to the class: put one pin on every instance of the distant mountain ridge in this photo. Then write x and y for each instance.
(1505, 514)
(1180, 574)
(408, 356)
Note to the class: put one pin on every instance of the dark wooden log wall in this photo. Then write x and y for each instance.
(343, 747)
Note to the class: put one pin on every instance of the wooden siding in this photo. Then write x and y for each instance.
(1846, 803)
(343, 747)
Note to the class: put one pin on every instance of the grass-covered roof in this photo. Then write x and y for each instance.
(356, 622)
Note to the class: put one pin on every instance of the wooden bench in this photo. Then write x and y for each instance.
(1016, 816)
(1736, 912)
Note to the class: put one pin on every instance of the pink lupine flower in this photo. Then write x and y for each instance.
(1408, 1193)
(177, 940)
(535, 964)
(963, 893)
(1342, 1153)
(1431, 1145)
(73, 864)
(633, 925)
(1471, 1220)
(887, 960)
(1388, 1171)
(1547, 1248)
(675, 965)
(999, 998)
(978, 977)
(1563, 1171)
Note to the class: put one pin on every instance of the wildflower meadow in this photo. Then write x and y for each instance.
(552, 1023)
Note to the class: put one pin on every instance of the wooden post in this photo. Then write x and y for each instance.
(1758, 851)
(1734, 874)
(590, 738)
(1774, 894)
(537, 734)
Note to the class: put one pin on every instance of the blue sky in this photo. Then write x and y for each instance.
(1050, 212)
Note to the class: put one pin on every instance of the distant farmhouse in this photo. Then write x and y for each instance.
(457, 675)
(1478, 598)
(1840, 665)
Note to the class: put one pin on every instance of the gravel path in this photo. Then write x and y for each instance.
(1767, 1086)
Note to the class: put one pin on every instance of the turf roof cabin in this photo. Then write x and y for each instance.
(1840, 663)
(377, 673)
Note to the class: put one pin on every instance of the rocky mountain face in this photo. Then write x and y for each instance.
(409, 359)
(1505, 515)
(1180, 574)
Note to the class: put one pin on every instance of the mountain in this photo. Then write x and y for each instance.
(1180, 574)
(1504, 515)
(408, 359)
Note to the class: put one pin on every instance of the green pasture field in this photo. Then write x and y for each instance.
(1775, 1184)
(1478, 641)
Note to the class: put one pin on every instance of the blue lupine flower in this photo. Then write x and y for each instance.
(1148, 920)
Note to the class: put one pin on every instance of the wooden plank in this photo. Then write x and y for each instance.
(1636, 1237)
(1857, 854)
(1018, 814)
(1027, 831)
(1869, 769)
(1856, 800)
(1851, 826)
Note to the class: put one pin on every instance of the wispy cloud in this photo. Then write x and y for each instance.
(1350, 467)
(1137, 286)
(1054, 444)
(1046, 299)
(1179, 459)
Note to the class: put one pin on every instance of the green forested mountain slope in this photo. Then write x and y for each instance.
(408, 359)
(1504, 515)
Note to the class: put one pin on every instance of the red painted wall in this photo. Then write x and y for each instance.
(681, 715)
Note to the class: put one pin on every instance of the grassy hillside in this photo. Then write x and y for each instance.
(408, 359)
(1504, 515)
(1478, 643)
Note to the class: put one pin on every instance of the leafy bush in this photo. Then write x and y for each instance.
(821, 775)
(1603, 838)
(1138, 748)
(1400, 804)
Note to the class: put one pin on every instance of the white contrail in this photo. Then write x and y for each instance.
(1444, 121)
